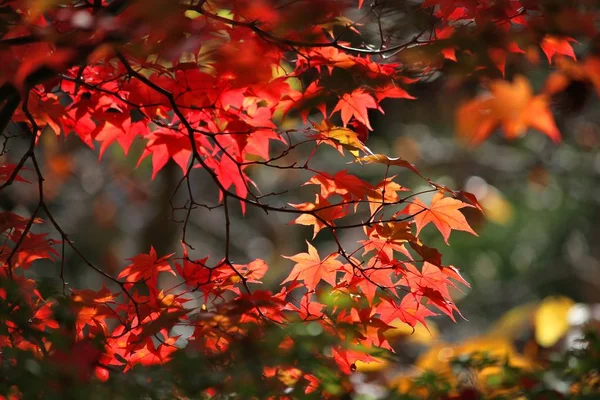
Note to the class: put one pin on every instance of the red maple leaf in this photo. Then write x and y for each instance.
(552, 45)
(6, 170)
(165, 144)
(35, 246)
(349, 186)
(146, 267)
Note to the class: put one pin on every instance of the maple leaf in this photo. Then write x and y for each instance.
(92, 298)
(378, 274)
(349, 186)
(392, 91)
(253, 270)
(468, 198)
(429, 276)
(385, 192)
(164, 145)
(35, 246)
(429, 254)
(44, 317)
(389, 161)
(194, 272)
(146, 267)
(91, 308)
(443, 304)
(432, 283)
(410, 311)
(512, 106)
(231, 174)
(587, 70)
(339, 137)
(346, 359)
(498, 56)
(452, 272)
(311, 269)
(362, 133)
(123, 133)
(388, 237)
(321, 213)
(6, 170)
(10, 220)
(312, 97)
(446, 32)
(307, 309)
(552, 45)
(356, 104)
(258, 142)
(80, 359)
(443, 212)
(124, 348)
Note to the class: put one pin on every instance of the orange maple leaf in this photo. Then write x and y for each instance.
(356, 104)
(510, 105)
(311, 269)
(385, 192)
(320, 211)
(568, 70)
(253, 271)
(443, 212)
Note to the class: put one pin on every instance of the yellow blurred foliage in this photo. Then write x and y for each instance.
(373, 366)
(551, 321)
(437, 359)
(514, 322)
(545, 323)
(496, 207)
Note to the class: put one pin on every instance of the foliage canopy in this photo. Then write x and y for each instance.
(220, 88)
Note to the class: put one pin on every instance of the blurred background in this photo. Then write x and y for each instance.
(539, 237)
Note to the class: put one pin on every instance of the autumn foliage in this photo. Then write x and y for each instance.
(212, 86)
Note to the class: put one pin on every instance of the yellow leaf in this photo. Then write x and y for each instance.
(191, 14)
(551, 321)
(377, 365)
(345, 137)
(497, 208)
(389, 161)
